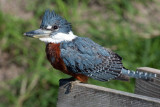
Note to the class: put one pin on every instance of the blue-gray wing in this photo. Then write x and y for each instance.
(83, 56)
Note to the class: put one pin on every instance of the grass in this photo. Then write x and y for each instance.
(38, 86)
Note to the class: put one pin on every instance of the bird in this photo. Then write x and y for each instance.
(80, 57)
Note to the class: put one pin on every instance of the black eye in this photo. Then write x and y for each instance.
(55, 27)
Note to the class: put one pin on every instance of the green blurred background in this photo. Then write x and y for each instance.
(128, 27)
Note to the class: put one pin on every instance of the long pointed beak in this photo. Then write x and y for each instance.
(39, 33)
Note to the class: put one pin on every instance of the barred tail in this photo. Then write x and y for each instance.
(138, 74)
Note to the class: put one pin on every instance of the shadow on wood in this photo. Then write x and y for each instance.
(86, 95)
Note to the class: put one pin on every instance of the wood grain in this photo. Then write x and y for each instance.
(148, 88)
(148, 69)
(73, 94)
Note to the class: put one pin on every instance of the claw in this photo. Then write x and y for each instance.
(70, 85)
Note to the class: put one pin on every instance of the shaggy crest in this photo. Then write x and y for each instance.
(51, 18)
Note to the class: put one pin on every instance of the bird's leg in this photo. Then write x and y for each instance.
(70, 82)
(80, 79)
(67, 79)
(70, 86)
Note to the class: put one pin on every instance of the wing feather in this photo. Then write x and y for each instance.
(83, 56)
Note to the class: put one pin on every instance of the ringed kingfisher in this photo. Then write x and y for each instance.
(77, 56)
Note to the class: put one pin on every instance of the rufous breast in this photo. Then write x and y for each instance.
(53, 55)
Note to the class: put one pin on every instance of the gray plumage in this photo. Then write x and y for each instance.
(83, 56)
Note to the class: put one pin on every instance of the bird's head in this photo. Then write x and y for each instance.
(53, 29)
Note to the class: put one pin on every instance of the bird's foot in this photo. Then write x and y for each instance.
(67, 79)
(68, 84)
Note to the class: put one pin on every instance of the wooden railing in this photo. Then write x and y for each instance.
(74, 94)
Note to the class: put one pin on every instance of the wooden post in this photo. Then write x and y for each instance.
(148, 88)
(74, 94)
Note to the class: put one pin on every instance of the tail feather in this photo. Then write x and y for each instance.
(138, 74)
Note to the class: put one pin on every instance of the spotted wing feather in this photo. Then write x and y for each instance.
(83, 56)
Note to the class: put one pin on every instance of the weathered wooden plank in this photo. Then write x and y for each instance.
(86, 95)
(148, 69)
(148, 88)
